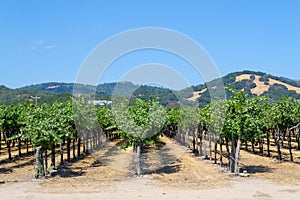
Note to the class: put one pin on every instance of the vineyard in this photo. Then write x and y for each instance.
(68, 131)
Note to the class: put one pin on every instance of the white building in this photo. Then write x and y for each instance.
(99, 102)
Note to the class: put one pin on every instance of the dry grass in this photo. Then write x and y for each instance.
(196, 95)
(192, 174)
(189, 172)
(271, 169)
(84, 176)
(93, 173)
(258, 90)
(186, 171)
(261, 87)
(17, 171)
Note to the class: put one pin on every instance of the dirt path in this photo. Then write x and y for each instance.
(142, 188)
(162, 158)
(171, 172)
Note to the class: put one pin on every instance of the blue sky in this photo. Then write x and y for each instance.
(43, 41)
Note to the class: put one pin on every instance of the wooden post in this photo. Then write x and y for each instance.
(27, 147)
(209, 146)
(46, 160)
(194, 141)
(68, 150)
(37, 162)
(78, 147)
(73, 148)
(228, 152)
(290, 146)
(61, 153)
(205, 150)
(53, 156)
(278, 144)
(261, 146)
(39, 166)
(237, 154)
(201, 145)
(8, 149)
(233, 154)
(19, 147)
(215, 149)
(221, 151)
(137, 158)
(197, 142)
(253, 148)
(86, 141)
(268, 143)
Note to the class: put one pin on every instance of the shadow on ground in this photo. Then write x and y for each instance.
(159, 159)
(7, 170)
(253, 169)
(67, 172)
(165, 170)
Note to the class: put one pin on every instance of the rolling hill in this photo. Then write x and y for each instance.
(252, 83)
(15, 96)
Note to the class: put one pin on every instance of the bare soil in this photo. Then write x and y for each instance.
(170, 172)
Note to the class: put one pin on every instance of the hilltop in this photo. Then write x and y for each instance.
(254, 84)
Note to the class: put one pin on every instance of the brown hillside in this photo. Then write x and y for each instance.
(196, 95)
(261, 87)
(258, 90)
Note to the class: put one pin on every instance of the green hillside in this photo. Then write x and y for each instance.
(253, 84)
(14, 96)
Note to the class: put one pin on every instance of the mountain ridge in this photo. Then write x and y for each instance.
(254, 83)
